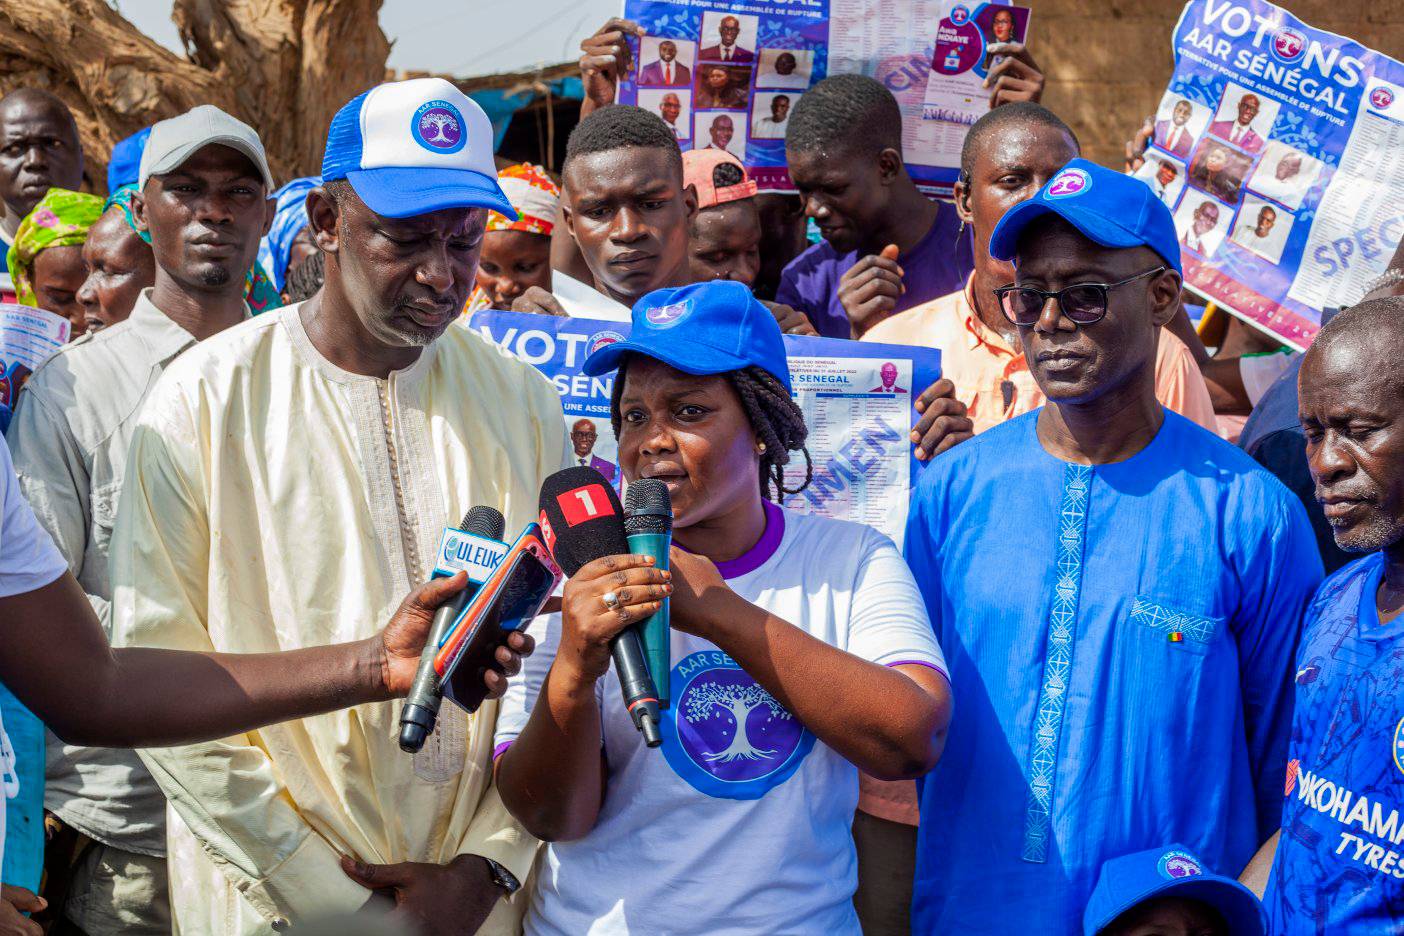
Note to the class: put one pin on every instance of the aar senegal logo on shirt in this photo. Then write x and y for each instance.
(726, 735)
(1398, 745)
(1069, 182)
(438, 127)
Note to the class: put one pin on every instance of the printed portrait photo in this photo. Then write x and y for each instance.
(724, 86)
(1164, 175)
(674, 105)
(1179, 125)
(592, 448)
(1244, 118)
(1219, 169)
(784, 68)
(1263, 228)
(721, 130)
(1285, 174)
(770, 114)
(729, 37)
(666, 62)
(1001, 23)
(1202, 222)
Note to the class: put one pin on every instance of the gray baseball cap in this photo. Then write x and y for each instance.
(174, 141)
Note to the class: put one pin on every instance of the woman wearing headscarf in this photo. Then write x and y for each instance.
(46, 259)
(119, 262)
(289, 240)
(801, 654)
(517, 254)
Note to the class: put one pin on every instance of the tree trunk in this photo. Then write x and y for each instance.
(283, 66)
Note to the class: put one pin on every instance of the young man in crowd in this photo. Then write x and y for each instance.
(286, 480)
(1008, 155)
(625, 204)
(204, 201)
(39, 149)
(1125, 660)
(725, 237)
(1338, 855)
(886, 247)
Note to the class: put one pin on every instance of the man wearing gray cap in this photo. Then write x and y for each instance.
(204, 200)
(294, 474)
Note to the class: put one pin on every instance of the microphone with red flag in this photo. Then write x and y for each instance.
(581, 521)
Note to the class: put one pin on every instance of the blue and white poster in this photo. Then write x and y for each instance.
(728, 73)
(1277, 146)
(856, 397)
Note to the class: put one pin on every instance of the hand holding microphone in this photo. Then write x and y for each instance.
(474, 546)
(609, 592)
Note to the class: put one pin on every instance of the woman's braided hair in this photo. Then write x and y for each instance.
(774, 416)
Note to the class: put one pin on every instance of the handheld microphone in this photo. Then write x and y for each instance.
(648, 523)
(475, 546)
(582, 520)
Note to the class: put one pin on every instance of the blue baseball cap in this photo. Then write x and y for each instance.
(412, 147)
(1108, 207)
(1173, 871)
(705, 328)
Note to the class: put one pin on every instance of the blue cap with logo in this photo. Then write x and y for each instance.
(1108, 207)
(412, 147)
(1172, 871)
(705, 328)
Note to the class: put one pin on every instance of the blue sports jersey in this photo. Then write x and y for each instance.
(1340, 861)
(1120, 640)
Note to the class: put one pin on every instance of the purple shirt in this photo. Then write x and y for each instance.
(937, 266)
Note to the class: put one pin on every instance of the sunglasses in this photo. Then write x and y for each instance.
(1083, 303)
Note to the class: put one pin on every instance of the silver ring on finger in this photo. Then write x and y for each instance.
(611, 600)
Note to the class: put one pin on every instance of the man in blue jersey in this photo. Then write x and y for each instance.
(1119, 592)
(1339, 866)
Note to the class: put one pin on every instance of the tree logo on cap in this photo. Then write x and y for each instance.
(1178, 864)
(1069, 182)
(666, 316)
(1288, 44)
(438, 127)
(1382, 97)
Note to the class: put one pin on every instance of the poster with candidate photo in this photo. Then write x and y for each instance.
(1291, 195)
(856, 398)
(738, 55)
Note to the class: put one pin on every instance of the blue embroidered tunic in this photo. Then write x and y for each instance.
(1120, 641)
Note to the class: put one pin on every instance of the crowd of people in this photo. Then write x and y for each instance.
(1105, 686)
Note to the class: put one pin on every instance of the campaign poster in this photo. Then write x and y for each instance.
(856, 398)
(725, 74)
(1277, 148)
(955, 91)
(27, 337)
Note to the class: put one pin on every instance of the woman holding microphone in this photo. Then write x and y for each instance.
(801, 654)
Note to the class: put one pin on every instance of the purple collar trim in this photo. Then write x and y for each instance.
(755, 557)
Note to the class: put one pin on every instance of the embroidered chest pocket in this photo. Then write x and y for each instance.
(1188, 632)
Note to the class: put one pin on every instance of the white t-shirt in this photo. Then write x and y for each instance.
(28, 560)
(741, 821)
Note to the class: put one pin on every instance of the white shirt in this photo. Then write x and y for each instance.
(28, 560)
(742, 817)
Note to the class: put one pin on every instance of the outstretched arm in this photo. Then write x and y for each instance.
(58, 662)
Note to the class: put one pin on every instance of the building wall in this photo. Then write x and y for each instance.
(1108, 61)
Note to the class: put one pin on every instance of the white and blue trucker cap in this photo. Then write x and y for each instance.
(416, 146)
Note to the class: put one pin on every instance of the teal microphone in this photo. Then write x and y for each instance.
(648, 522)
